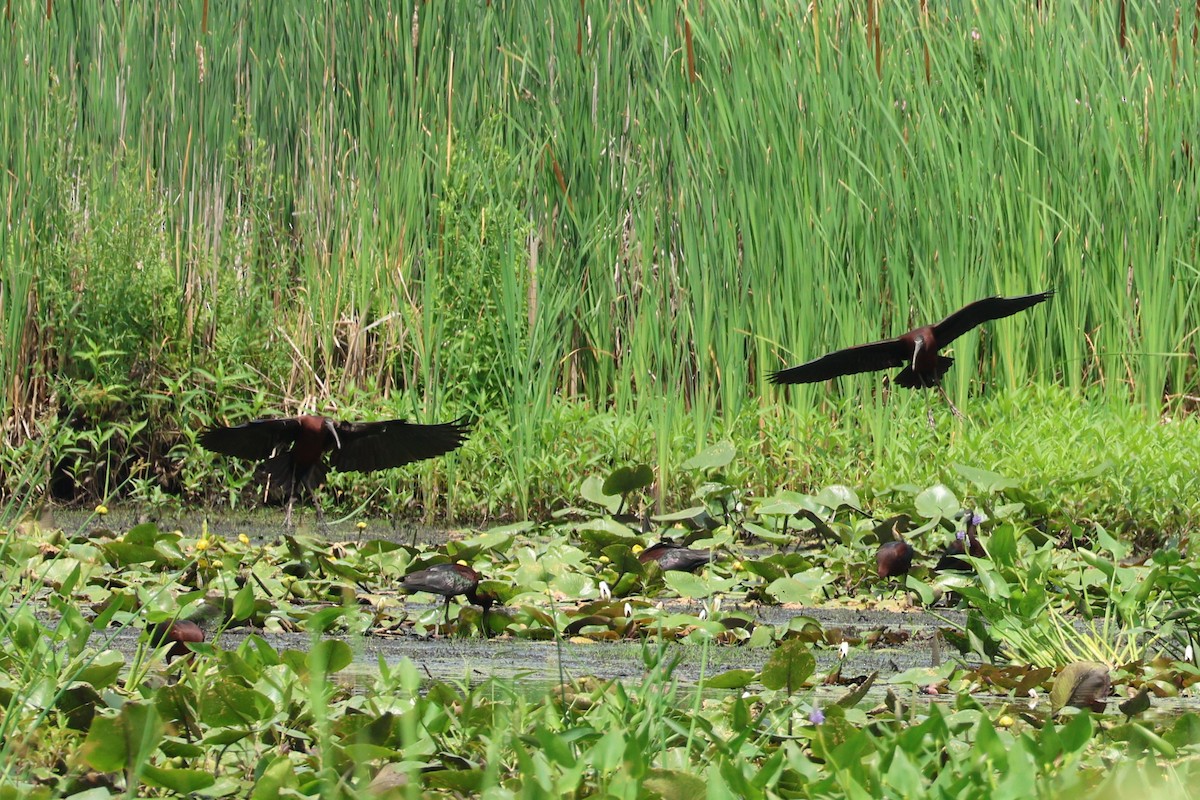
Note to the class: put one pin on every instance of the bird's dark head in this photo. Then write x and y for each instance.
(484, 599)
(328, 425)
(919, 344)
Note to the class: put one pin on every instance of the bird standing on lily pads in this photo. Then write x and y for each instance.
(671, 556)
(450, 580)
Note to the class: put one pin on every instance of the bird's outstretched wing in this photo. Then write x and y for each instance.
(982, 311)
(257, 440)
(850, 361)
(368, 446)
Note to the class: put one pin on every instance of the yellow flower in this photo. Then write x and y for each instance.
(243, 538)
(202, 545)
(217, 564)
(362, 526)
(102, 509)
(637, 548)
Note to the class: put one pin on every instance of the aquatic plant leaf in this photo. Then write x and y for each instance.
(281, 774)
(180, 781)
(592, 490)
(77, 704)
(1136, 704)
(836, 495)
(333, 654)
(731, 679)
(672, 784)
(243, 602)
(851, 698)
(1082, 684)
(789, 666)
(937, 502)
(985, 480)
(624, 480)
(715, 457)
(115, 743)
(103, 670)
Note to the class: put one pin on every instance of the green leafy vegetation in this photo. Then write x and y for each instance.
(596, 230)
(537, 216)
(249, 711)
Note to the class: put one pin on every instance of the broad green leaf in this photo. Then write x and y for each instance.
(789, 666)
(731, 679)
(114, 744)
(592, 490)
(715, 457)
(937, 502)
(243, 602)
(180, 781)
(985, 480)
(334, 654)
(836, 496)
(624, 480)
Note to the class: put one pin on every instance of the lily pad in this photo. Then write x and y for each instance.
(715, 457)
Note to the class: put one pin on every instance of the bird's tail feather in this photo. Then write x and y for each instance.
(912, 380)
(283, 479)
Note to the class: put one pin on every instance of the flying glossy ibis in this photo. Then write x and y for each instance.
(915, 351)
(292, 449)
(450, 580)
(671, 556)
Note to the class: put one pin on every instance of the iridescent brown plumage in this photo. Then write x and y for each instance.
(916, 351)
(671, 556)
(178, 633)
(965, 542)
(292, 449)
(449, 580)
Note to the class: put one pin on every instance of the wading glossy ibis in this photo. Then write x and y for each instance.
(178, 633)
(291, 449)
(916, 351)
(894, 560)
(450, 580)
(965, 542)
(671, 556)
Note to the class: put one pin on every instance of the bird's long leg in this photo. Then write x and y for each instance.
(447, 611)
(320, 513)
(953, 410)
(287, 518)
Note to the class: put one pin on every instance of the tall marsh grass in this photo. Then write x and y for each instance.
(485, 205)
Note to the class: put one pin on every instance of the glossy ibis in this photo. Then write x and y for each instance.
(178, 633)
(894, 559)
(965, 542)
(449, 580)
(916, 351)
(291, 449)
(671, 556)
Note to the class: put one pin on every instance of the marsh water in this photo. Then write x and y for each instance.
(903, 639)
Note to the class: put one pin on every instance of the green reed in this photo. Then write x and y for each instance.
(497, 204)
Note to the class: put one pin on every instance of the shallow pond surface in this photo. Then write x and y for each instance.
(539, 665)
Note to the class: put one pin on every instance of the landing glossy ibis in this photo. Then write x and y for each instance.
(671, 556)
(965, 541)
(291, 449)
(178, 632)
(449, 580)
(916, 351)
